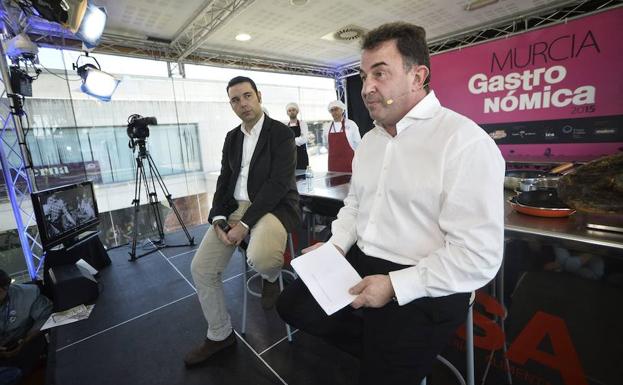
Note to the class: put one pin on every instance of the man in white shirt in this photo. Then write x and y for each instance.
(255, 195)
(299, 128)
(341, 137)
(422, 223)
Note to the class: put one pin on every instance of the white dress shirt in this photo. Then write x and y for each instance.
(302, 139)
(248, 146)
(431, 197)
(352, 132)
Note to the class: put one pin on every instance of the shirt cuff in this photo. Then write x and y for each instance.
(342, 242)
(407, 285)
(245, 225)
(217, 217)
(299, 140)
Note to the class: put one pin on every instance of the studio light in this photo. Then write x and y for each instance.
(95, 82)
(81, 17)
(92, 26)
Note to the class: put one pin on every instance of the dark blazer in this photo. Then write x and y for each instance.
(271, 184)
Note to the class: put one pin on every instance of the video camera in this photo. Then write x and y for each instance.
(138, 126)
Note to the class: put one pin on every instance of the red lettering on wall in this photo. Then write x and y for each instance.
(564, 359)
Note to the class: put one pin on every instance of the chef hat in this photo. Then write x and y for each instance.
(292, 105)
(337, 103)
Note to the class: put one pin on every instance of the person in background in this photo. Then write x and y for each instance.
(299, 128)
(423, 222)
(23, 310)
(341, 137)
(255, 195)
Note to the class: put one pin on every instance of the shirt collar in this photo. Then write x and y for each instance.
(257, 127)
(424, 109)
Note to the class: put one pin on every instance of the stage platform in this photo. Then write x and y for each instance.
(147, 317)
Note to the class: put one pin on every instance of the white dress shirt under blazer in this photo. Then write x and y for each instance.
(248, 147)
(430, 197)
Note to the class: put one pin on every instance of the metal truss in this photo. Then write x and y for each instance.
(340, 91)
(525, 23)
(18, 174)
(505, 28)
(155, 50)
(185, 48)
(211, 17)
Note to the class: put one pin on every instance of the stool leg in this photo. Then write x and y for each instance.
(244, 291)
(291, 246)
(309, 228)
(292, 252)
(469, 340)
(500, 286)
(500, 297)
(288, 329)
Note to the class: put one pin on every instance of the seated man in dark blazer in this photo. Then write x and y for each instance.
(255, 194)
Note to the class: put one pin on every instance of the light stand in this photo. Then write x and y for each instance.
(141, 179)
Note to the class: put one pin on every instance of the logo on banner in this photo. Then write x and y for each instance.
(539, 88)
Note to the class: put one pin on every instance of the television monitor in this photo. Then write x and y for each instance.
(65, 212)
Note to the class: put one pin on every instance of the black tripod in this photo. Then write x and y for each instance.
(150, 190)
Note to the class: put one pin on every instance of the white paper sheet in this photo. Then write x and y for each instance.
(328, 276)
(68, 316)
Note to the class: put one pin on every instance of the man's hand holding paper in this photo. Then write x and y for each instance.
(328, 276)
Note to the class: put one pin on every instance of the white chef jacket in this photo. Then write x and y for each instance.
(352, 132)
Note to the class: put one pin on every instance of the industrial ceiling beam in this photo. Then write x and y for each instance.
(505, 28)
(214, 14)
(158, 50)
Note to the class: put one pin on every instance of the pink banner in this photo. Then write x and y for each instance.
(567, 71)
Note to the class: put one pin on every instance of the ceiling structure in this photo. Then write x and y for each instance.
(301, 36)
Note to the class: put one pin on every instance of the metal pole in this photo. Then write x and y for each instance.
(24, 170)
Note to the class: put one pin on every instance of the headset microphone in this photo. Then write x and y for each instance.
(390, 101)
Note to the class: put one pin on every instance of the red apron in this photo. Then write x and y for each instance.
(340, 152)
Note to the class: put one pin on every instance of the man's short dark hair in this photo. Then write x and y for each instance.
(241, 79)
(410, 40)
(5, 280)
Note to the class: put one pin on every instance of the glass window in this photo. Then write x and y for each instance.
(102, 154)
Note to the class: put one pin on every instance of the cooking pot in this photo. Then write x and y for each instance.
(529, 180)
(514, 178)
(541, 203)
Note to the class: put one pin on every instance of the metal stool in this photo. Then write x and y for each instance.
(246, 281)
(469, 350)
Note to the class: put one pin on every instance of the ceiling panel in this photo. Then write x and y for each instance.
(142, 18)
(291, 33)
(281, 30)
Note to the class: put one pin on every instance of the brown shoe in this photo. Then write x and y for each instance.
(206, 350)
(270, 293)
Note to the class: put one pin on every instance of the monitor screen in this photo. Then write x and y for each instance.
(65, 212)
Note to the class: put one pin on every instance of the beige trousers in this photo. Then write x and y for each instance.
(267, 243)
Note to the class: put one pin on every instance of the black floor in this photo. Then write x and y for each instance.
(147, 317)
